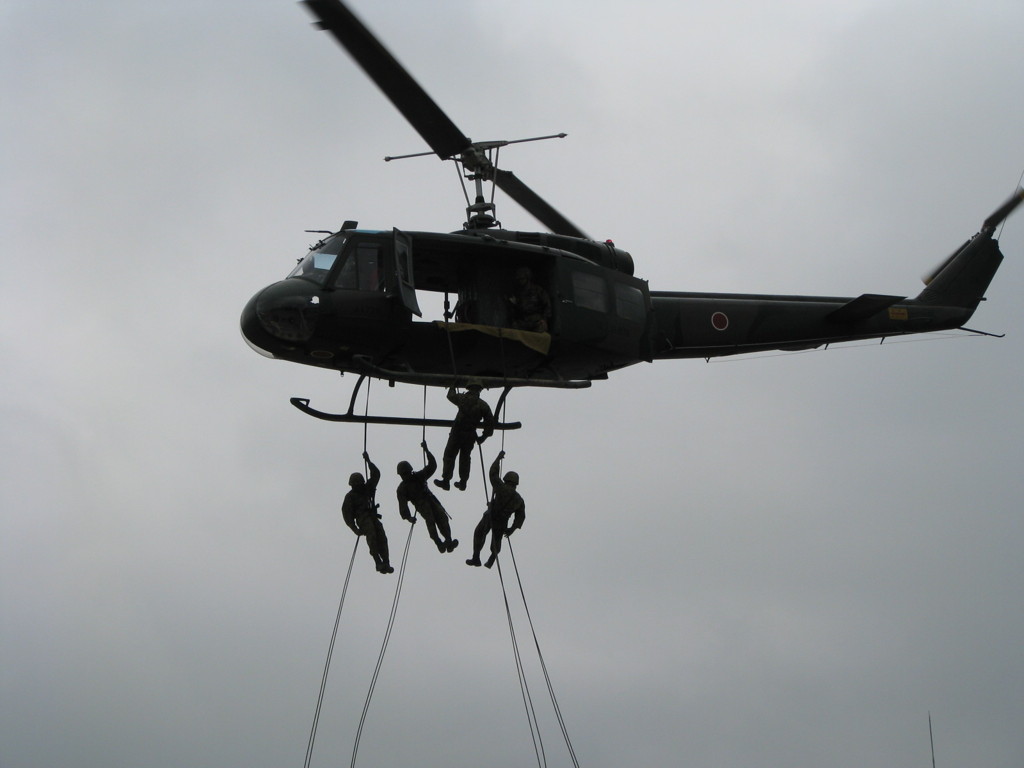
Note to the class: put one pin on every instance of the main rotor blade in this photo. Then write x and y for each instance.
(543, 211)
(391, 77)
(422, 112)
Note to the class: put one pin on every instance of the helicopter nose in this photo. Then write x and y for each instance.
(285, 311)
(253, 332)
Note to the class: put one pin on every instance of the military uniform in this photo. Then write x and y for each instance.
(473, 413)
(413, 489)
(359, 512)
(505, 504)
(531, 305)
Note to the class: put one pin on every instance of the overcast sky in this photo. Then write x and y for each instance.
(786, 560)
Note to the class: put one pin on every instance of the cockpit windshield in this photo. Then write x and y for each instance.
(318, 262)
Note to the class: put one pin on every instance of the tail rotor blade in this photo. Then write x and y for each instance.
(1001, 214)
(987, 228)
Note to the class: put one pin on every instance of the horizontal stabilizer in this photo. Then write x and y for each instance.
(863, 307)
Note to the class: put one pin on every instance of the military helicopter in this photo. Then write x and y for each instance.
(351, 305)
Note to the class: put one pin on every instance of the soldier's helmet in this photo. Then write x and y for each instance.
(512, 478)
(474, 385)
(356, 480)
(404, 468)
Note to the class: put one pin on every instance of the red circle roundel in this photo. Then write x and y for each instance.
(720, 321)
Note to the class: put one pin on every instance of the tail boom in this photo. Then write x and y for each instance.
(693, 325)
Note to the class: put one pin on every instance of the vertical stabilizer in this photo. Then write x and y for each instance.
(961, 281)
(966, 275)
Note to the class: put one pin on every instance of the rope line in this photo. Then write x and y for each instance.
(540, 655)
(327, 665)
(366, 413)
(502, 414)
(451, 351)
(524, 688)
(483, 472)
(423, 432)
(384, 645)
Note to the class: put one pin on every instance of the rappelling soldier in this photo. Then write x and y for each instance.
(359, 512)
(413, 489)
(473, 414)
(506, 504)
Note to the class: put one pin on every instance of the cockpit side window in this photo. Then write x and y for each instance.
(362, 270)
(318, 262)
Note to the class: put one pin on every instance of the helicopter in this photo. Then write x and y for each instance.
(350, 304)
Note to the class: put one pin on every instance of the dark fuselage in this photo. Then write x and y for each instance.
(353, 305)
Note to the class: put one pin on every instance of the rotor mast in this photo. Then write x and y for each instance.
(479, 161)
(481, 213)
(435, 127)
(476, 159)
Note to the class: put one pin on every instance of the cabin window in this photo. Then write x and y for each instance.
(588, 291)
(629, 303)
(362, 268)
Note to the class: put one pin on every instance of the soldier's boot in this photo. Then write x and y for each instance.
(452, 544)
(441, 546)
(443, 484)
(474, 560)
(460, 484)
(490, 560)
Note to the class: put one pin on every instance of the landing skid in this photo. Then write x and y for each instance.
(447, 380)
(350, 417)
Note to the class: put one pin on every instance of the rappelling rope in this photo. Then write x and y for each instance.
(501, 346)
(531, 712)
(327, 665)
(384, 645)
(366, 413)
(502, 414)
(524, 688)
(480, 450)
(391, 618)
(423, 433)
(543, 666)
(337, 619)
(451, 347)
(483, 472)
(423, 426)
